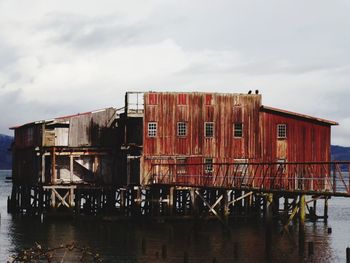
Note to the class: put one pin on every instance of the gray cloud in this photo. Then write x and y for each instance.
(74, 57)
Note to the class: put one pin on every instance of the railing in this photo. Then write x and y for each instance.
(331, 177)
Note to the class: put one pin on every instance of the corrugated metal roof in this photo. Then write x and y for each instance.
(299, 115)
(58, 118)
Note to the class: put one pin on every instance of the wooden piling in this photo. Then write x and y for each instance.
(301, 224)
(171, 201)
(53, 166)
(268, 228)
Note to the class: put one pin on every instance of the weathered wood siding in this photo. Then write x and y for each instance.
(195, 109)
(28, 136)
(306, 141)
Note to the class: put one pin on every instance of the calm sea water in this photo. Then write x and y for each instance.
(202, 242)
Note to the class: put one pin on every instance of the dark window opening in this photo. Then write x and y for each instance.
(181, 129)
(209, 129)
(238, 130)
(152, 129)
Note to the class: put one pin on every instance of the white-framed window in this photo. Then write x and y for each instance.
(208, 165)
(241, 165)
(281, 131)
(209, 129)
(181, 129)
(181, 167)
(152, 129)
(281, 165)
(238, 130)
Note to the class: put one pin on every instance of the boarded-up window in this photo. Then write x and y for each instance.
(181, 167)
(152, 99)
(238, 130)
(281, 131)
(209, 129)
(208, 165)
(152, 129)
(208, 99)
(182, 99)
(181, 129)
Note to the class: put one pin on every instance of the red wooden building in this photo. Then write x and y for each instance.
(196, 138)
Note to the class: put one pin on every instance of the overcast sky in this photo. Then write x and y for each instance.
(63, 57)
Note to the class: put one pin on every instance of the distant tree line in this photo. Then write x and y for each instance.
(5, 153)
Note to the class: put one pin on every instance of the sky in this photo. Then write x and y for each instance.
(64, 57)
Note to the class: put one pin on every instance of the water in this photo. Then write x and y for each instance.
(125, 241)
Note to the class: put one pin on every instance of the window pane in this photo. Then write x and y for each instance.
(209, 129)
(181, 129)
(238, 130)
(152, 129)
(281, 131)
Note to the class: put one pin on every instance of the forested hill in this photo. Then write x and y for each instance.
(5, 154)
(340, 153)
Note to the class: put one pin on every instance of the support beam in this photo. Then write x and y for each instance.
(71, 167)
(240, 198)
(268, 228)
(43, 168)
(211, 207)
(302, 224)
(53, 166)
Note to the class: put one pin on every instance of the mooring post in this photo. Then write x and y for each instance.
(348, 255)
(171, 201)
(268, 221)
(301, 224)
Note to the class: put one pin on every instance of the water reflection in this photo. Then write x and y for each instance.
(177, 241)
(204, 241)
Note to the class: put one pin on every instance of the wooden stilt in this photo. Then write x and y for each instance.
(301, 224)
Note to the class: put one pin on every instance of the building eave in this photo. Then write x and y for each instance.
(298, 115)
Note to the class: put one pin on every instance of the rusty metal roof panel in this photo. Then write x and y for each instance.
(298, 115)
